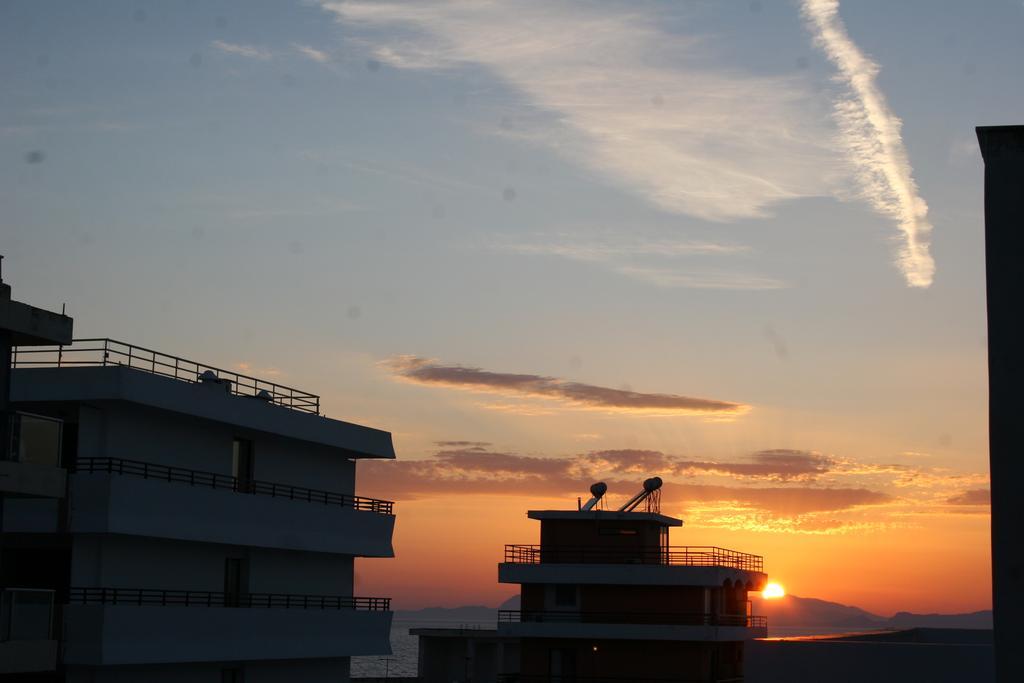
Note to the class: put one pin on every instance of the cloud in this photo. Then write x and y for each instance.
(463, 444)
(576, 394)
(475, 471)
(623, 95)
(779, 501)
(782, 464)
(972, 497)
(777, 464)
(249, 51)
(871, 133)
(313, 53)
(645, 260)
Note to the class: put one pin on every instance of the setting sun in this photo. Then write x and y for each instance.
(772, 591)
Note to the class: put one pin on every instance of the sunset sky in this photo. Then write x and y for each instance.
(734, 244)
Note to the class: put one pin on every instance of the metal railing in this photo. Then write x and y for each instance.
(689, 556)
(642, 618)
(556, 678)
(180, 475)
(103, 352)
(185, 598)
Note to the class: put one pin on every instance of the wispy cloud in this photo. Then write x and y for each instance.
(248, 51)
(773, 490)
(972, 497)
(577, 394)
(871, 133)
(659, 262)
(628, 98)
(312, 53)
(475, 471)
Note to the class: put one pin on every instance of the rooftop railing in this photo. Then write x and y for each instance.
(104, 352)
(689, 556)
(644, 618)
(180, 475)
(556, 678)
(185, 598)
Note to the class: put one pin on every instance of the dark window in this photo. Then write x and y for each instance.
(236, 581)
(35, 438)
(232, 675)
(242, 463)
(565, 596)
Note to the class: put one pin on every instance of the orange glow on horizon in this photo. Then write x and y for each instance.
(773, 591)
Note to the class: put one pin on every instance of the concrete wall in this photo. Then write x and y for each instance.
(133, 432)
(629, 632)
(285, 671)
(626, 660)
(769, 661)
(99, 635)
(211, 402)
(121, 504)
(130, 562)
(443, 659)
(628, 574)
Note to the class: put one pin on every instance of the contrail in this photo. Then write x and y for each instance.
(871, 133)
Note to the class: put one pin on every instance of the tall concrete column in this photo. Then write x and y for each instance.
(1002, 148)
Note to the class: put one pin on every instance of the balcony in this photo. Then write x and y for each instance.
(521, 678)
(27, 644)
(686, 556)
(114, 626)
(648, 625)
(670, 618)
(114, 495)
(110, 352)
(669, 565)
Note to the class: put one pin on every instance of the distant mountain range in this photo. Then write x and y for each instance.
(789, 612)
(793, 611)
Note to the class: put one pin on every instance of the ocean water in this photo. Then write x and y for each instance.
(405, 649)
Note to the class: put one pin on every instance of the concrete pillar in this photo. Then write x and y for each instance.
(1002, 148)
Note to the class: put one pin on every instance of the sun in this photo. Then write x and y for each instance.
(772, 591)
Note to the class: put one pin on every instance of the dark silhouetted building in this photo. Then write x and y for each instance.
(605, 597)
(167, 520)
(1002, 147)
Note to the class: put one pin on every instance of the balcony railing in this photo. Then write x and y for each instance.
(213, 480)
(184, 598)
(689, 556)
(556, 678)
(643, 618)
(103, 352)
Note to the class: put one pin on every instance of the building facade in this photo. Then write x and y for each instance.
(605, 597)
(164, 520)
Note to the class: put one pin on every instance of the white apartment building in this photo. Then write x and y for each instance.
(164, 520)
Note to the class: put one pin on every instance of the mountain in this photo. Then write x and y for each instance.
(789, 612)
(981, 619)
(793, 611)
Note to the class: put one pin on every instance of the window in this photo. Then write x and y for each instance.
(565, 596)
(236, 581)
(232, 675)
(242, 463)
(26, 614)
(36, 438)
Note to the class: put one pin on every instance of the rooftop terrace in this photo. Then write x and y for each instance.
(110, 352)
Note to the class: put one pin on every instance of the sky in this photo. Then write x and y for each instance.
(737, 244)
